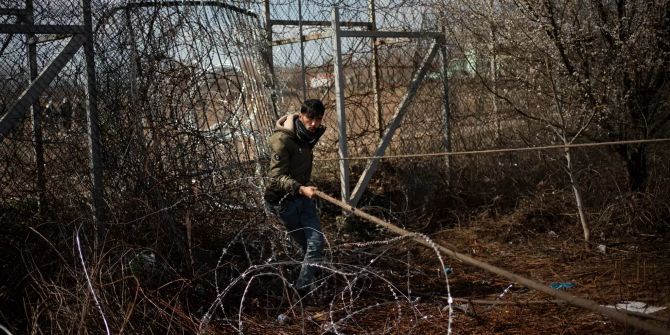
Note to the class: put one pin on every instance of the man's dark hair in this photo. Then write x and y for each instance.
(313, 108)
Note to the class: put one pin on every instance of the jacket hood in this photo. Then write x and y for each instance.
(285, 124)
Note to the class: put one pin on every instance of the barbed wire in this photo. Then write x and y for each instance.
(188, 93)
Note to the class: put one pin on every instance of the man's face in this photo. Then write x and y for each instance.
(312, 124)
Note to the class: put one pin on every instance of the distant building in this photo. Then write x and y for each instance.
(321, 80)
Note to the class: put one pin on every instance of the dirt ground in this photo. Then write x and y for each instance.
(623, 269)
(373, 282)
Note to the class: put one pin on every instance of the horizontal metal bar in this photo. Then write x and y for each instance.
(391, 34)
(191, 3)
(328, 34)
(13, 11)
(309, 37)
(49, 38)
(41, 29)
(31, 94)
(318, 23)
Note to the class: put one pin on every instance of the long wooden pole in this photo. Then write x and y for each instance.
(569, 298)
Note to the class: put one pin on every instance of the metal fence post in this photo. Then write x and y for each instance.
(445, 109)
(269, 56)
(339, 102)
(375, 69)
(303, 78)
(400, 112)
(268, 33)
(95, 143)
(36, 113)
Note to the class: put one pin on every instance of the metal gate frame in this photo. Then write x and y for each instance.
(80, 36)
(386, 132)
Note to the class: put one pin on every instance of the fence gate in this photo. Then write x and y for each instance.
(379, 61)
(175, 100)
(58, 93)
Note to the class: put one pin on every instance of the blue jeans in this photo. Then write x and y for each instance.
(302, 222)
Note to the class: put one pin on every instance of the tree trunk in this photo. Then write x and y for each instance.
(578, 195)
(635, 158)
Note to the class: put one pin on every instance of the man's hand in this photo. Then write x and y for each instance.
(308, 191)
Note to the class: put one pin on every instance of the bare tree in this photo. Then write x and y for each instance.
(524, 72)
(617, 54)
(602, 66)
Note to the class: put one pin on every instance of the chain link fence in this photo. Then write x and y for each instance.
(188, 91)
(44, 159)
(377, 74)
(189, 101)
(182, 96)
(187, 95)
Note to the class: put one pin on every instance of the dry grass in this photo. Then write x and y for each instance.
(371, 282)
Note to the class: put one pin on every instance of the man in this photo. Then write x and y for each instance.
(289, 192)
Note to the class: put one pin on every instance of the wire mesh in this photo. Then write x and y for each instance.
(187, 94)
(196, 96)
(185, 90)
(183, 104)
(307, 69)
(186, 99)
(50, 142)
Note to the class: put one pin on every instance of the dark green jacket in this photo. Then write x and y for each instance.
(290, 161)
